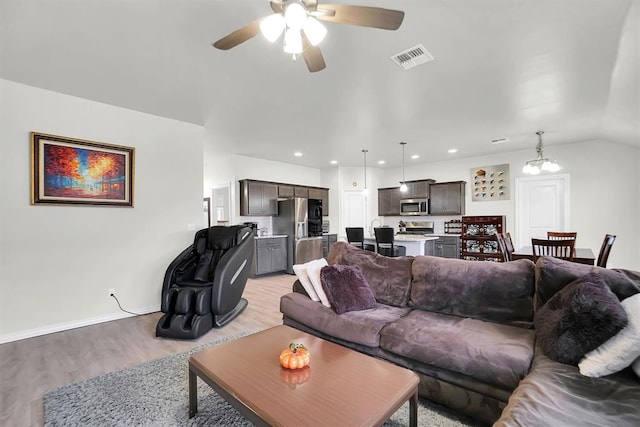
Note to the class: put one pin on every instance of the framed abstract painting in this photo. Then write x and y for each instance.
(79, 172)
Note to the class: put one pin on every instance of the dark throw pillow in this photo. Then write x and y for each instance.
(578, 319)
(346, 288)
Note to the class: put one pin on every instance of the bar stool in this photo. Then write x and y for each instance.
(355, 236)
(385, 243)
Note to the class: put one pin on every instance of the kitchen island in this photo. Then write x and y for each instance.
(415, 244)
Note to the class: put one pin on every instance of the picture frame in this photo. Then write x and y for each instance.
(72, 171)
(490, 183)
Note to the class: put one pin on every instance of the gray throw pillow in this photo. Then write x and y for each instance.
(578, 319)
(346, 288)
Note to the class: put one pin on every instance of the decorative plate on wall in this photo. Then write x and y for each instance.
(490, 183)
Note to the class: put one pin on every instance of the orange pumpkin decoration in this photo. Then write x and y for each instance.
(296, 356)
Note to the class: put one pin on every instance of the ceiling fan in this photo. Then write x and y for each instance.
(299, 20)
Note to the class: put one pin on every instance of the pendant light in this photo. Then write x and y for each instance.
(403, 187)
(364, 155)
(540, 163)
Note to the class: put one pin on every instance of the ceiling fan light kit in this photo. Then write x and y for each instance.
(314, 30)
(300, 21)
(272, 26)
(540, 163)
(292, 42)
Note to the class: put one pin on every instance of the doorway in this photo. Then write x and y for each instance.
(354, 210)
(220, 204)
(541, 205)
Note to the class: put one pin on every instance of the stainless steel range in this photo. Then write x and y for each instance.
(416, 227)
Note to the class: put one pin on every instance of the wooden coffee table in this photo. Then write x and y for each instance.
(339, 387)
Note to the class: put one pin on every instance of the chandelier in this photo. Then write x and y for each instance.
(540, 163)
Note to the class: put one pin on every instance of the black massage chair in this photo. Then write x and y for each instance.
(203, 286)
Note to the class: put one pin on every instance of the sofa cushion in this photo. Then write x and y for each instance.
(346, 288)
(555, 394)
(578, 319)
(313, 272)
(553, 274)
(303, 278)
(493, 353)
(619, 351)
(361, 327)
(498, 292)
(389, 278)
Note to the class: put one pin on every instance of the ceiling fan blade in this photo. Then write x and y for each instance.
(363, 16)
(277, 6)
(238, 36)
(312, 56)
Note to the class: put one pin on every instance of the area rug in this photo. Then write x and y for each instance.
(156, 393)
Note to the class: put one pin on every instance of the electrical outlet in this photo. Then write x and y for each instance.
(112, 291)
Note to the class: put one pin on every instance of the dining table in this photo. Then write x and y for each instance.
(580, 255)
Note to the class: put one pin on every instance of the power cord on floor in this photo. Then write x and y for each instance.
(126, 311)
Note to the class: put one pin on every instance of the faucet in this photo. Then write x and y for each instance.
(375, 223)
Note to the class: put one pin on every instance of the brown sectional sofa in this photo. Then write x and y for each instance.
(466, 328)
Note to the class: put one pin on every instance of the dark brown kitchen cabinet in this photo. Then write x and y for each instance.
(389, 201)
(321, 194)
(447, 198)
(417, 189)
(301, 192)
(285, 191)
(258, 198)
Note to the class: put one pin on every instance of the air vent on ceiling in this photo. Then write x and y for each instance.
(412, 57)
(500, 140)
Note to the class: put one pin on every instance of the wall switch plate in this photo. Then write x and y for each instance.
(112, 291)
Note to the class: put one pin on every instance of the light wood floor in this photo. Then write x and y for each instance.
(30, 367)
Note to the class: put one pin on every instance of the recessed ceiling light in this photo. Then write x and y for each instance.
(415, 156)
(297, 154)
(381, 162)
(452, 150)
(334, 162)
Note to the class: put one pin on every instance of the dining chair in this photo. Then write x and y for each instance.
(508, 243)
(502, 247)
(355, 236)
(603, 256)
(562, 235)
(385, 242)
(562, 249)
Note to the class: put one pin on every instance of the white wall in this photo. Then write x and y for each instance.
(57, 262)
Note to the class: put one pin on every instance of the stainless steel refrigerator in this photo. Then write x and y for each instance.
(292, 220)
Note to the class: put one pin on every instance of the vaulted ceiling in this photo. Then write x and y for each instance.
(501, 69)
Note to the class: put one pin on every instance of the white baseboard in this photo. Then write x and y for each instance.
(59, 327)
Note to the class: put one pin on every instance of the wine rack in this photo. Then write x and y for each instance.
(479, 241)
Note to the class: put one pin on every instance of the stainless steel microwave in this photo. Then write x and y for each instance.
(414, 207)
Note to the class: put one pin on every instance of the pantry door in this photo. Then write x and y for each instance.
(542, 204)
(354, 210)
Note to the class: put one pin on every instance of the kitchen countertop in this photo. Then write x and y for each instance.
(409, 238)
(414, 237)
(270, 236)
